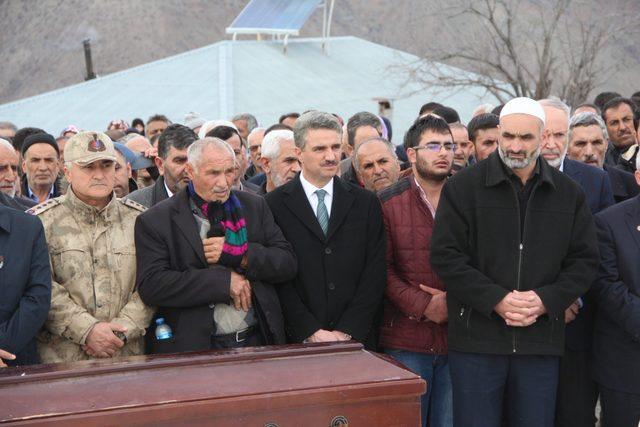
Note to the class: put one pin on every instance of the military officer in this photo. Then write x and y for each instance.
(95, 310)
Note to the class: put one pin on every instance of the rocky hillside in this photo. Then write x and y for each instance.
(41, 40)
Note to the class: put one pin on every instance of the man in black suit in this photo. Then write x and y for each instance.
(208, 256)
(337, 234)
(25, 285)
(577, 393)
(588, 144)
(616, 347)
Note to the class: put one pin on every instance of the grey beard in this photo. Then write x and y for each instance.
(518, 164)
(555, 163)
(275, 178)
(12, 193)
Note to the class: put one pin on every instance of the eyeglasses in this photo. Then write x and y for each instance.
(436, 146)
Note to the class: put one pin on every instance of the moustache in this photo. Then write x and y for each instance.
(329, 163)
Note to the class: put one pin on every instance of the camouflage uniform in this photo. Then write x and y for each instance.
(93, 265)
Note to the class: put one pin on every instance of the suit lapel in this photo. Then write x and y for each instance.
(340, 205)
(633, 220)
(574, 173)
(159, 192)
(296, 201)
(183, 218)
(616, 183)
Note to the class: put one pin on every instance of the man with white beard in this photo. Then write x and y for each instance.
(280, 159)
(553, 149)
(577, 392)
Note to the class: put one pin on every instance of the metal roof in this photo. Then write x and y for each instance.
(229, 77)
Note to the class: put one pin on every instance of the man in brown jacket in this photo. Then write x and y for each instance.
(414, 329)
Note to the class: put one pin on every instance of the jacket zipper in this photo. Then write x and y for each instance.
(521, 246)
(519, 270)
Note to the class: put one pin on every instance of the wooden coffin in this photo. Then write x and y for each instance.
(324, 385)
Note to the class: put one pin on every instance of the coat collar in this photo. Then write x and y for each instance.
(183, 218)
(617, 185)
(496, 171)
(5, 218)
(569, 167)
(88, 213)
(633, 214)
(159, 192)
(296, 201)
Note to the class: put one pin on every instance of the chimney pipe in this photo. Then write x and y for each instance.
(87, 58)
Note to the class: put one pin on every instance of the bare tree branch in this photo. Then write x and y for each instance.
(524, 48)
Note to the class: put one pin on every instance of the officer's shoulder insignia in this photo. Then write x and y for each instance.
(43, 207)
(133, 204)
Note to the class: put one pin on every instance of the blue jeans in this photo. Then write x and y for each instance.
(434, 369)
(482, 382)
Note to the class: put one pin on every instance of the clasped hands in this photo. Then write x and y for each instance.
(101, 340)
(323, 335)
(239, 288)
(520, 308)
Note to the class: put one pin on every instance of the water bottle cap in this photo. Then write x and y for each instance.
(159, 320)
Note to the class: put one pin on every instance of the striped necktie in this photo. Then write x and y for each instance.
(322, 213)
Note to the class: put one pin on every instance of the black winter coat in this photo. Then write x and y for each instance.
(173, 274)
(480, 252)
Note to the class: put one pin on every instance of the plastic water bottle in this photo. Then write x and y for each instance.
(163, 331)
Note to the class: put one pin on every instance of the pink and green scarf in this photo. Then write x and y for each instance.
(226, 220)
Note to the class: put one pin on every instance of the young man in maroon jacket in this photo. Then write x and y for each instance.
(415, 312)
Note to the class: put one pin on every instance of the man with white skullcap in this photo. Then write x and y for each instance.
(514, 243)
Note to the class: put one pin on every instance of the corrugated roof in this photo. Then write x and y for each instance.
(243, 76)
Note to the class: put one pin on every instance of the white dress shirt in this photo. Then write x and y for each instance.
(310, 191)
(169, 193)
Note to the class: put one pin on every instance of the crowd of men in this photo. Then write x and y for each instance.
(496, 259)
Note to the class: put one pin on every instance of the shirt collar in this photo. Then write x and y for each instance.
(33, 197)
(310, 189)
(423, 196)
(169, 193)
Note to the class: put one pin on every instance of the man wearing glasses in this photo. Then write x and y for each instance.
(414, 329)
(514, 242)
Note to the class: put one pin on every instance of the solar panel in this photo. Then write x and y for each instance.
(273, 17)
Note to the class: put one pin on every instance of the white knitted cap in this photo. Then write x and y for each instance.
(212, 124)
(523, 105)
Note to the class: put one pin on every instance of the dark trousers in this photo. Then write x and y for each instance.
(481, 381)
(577, 392)
(619, 409)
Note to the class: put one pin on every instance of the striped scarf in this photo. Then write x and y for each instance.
(226, 220)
